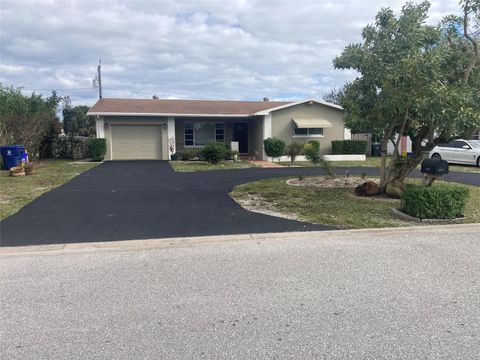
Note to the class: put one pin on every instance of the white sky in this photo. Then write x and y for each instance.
(214, 49)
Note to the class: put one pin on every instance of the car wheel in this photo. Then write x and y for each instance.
(478, 161)
(436, 156)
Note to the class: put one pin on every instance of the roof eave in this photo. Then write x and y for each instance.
(105, 113)
(267, 111)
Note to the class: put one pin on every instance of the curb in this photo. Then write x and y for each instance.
(145, 244)
(427, 221)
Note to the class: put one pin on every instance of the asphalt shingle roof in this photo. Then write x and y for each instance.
(182, 107)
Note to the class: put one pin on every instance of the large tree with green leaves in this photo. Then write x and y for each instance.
(28, 120)
(414, 79)
(76, 121)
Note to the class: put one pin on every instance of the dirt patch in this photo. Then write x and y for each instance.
(320, 181)
(256, 203)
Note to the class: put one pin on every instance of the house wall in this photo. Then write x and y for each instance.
(257, 137)
(282, 124)
(134, 120)
(254, 131)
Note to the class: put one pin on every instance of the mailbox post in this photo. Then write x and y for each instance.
(432, 169)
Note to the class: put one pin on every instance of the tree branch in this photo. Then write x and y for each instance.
(473, 40)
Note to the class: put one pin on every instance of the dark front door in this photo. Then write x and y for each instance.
(240, 134)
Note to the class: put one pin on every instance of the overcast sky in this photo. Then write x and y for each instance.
(214, 49)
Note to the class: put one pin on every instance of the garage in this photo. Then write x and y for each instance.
(136, 142)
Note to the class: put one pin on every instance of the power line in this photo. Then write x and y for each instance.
(90, 88)
(56, 89)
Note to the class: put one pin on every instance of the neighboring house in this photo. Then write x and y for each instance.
(157, 128)
(476, 135)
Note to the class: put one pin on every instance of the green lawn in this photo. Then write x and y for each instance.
(375, 162)
(191, 166)
(334, 206)
(16, 192)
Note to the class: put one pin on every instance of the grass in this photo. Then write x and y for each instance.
(375, 162)
(335, 206)
(191, 166)
(16, 192)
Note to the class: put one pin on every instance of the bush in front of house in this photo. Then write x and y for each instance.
(98, 149)
(186, 155)
(214, 152)
(443, 201)
(293, 150)
(349, 147)
(311, 150)
(274, 147)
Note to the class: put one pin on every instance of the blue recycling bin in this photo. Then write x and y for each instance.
(12, 155)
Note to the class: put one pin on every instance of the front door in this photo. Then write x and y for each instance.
(240, 134)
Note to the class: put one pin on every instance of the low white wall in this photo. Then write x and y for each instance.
(327, 157)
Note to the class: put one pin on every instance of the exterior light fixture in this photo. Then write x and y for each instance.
(165, 126)
(105, 126)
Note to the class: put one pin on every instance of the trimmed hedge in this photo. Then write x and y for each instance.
(443, 201)
(274, 147)
(98, 149)
(349, 147)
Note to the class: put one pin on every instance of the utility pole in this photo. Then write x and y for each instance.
(99, 75)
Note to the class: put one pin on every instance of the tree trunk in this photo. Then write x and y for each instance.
(383, 159)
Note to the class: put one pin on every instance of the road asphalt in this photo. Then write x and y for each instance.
(126, 200)
(410, 293)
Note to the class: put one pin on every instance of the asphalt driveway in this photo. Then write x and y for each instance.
(147, 199)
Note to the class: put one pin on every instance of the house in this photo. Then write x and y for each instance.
(157, 128)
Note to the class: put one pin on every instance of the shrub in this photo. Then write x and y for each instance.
(312, 152)
(185, 155)
(337, 147)
(214, 152)
(274, 147)
(98, 149)
(444, 201)
(340, 147)
(293, 150)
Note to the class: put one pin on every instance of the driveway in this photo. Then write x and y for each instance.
(147, 199)
(410, 293)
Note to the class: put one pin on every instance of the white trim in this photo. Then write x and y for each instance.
(346, 157)
(171, 135)
(166, 114)
(267, 131)
(267, 111)
(308, 136)
(100, 127)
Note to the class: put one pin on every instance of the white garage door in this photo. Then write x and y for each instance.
(136, 142)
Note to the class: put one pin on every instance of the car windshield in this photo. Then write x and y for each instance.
(475, 143)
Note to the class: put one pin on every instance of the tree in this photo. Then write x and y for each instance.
(27, 120)
(76, 121)
(414, 79)
(334, 96)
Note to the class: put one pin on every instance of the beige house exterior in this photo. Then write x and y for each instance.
(154, 129)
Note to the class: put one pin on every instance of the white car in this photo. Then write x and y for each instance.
(458, 151)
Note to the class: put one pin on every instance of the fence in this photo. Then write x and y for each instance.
(365, 137)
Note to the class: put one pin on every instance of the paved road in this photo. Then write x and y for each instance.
(147, 199)
(396, 294)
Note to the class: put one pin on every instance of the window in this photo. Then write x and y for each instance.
(200, 134)
(308, 131)
(219, 132)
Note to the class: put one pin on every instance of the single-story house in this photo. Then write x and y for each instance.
(157, 128)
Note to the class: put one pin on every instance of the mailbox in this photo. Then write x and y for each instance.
(434, 167)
